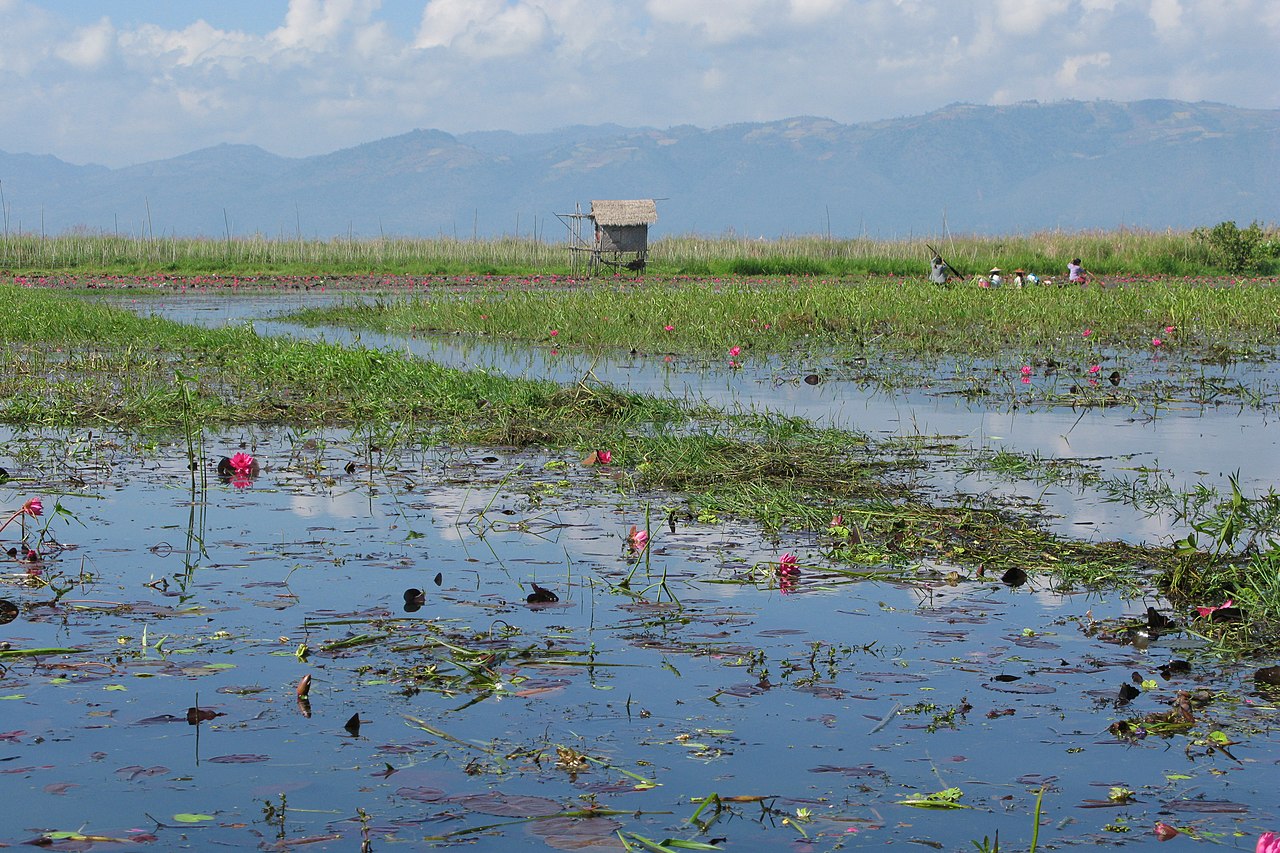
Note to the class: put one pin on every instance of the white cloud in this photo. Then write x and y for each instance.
(483, 29)
(1027, 17)
(1068, 76)
(718, 21)
(1166, 15)
(813, 11)
(315, 23)
(89, 47)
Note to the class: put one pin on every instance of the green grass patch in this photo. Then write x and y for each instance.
(910, 318)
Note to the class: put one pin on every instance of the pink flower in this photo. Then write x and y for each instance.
(733, 351)
(1026, 370)
(837, 521)
(1268, 842)
(637, 540)
(787, 566)
(668, 328)
(1155, 342)
(33, 507)
(1164, 832)
(1169, 330)
(1095, 368)
(242, 463)
(1209, 611)
(604, 457)
(1087, 332)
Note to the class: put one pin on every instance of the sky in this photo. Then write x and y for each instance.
(118, 82)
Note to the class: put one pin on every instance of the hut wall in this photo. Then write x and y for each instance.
(624, 238)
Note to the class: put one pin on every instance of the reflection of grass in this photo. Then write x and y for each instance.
(881, 314)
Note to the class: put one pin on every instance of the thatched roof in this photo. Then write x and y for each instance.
(641, 211)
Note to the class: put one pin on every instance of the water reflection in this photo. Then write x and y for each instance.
(1185, 446)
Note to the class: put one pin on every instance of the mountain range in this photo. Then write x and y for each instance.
(963, 169)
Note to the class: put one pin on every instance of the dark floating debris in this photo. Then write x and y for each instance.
(1014, 577)
(1128, 693)
(197, 715)
(353, 725)
(1268, 675)
(1157, 621)
(439, 578)
(541, 595)
(8, 611)
(812, 379)
(414, 598)
(1175, 667)
(1114, 378)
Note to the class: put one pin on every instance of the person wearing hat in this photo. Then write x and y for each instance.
(1019, 277)
(994, 276)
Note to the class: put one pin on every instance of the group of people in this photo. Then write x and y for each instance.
(941, 272)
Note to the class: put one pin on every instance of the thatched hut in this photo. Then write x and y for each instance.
(621, 228)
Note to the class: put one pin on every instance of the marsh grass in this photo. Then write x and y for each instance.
(844, 317)
(1118, 252)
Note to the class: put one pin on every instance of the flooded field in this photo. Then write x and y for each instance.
(369, 645)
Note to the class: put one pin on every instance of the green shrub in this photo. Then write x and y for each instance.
(1235, 249)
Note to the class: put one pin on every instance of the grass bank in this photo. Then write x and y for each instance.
(1121, 252)
(911, 318)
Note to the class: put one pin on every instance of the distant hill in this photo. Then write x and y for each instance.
(976, 169)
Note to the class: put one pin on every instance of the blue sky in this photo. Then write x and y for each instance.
(93, 81)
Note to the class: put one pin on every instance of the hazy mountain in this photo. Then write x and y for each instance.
(1020, 168)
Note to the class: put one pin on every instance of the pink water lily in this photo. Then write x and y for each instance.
(1026, 370)
(1155, 342)
(1095, 368)
(555, 332)
(788, 565)
(837, 521)
(734, 351)
(242, 463)
(1268, 842)
(604, 457)
(637, 540)
(33, 507)
(1087, 332)
(668, 328)
(1209, 611)
(1164, 831)
(1169, 330)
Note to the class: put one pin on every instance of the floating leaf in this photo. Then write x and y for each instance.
(420, 795)
(507, 805)
(187, 817)
(948, 798)
(240, 758)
